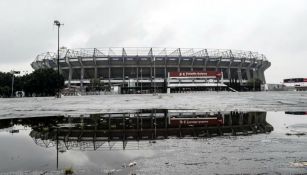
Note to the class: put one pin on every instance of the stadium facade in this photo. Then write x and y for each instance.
(150, 68)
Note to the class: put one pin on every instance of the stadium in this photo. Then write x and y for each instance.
(142, 70)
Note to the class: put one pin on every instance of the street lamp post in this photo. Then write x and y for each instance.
(12, 94)
(141, 80)
(217, 84)
(254, 79)
(13, 72)
(154, 76)
(218, 75)
(58, 24)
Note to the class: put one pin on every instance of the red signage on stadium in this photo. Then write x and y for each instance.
(196, 121)
(196, 74)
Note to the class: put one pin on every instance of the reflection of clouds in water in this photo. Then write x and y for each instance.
(302, 127)
(283, 123)
(102, 159)
(94, 159)
(19, 152)
(74, 158)
(134, 154)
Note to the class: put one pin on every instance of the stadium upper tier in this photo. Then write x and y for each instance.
(157, 52)
(120, 63)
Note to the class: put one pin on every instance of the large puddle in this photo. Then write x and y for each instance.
(156, 141)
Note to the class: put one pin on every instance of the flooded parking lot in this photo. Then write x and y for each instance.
(156, 141)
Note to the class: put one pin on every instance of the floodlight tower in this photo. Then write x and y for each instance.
(154, 59)
(58, 24)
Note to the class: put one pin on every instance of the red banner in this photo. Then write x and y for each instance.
(197, 121)
(196, 74)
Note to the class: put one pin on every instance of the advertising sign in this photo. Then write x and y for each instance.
(212, 121)
(215, 74)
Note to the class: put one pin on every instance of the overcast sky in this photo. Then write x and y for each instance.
(276, 28)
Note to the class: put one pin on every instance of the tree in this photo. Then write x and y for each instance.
(5, 84)
(42, 82)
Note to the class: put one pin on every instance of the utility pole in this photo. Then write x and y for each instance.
(58, 24)
(254, 79)
(141, 80)
(154, 76)
(12, 94)
(218, 75)
(13, 72)
(217, 84)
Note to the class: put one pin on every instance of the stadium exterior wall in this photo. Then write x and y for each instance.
(148, 66)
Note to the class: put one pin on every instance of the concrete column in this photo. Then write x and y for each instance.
(137, 75)
(261, 75)
(205, 64)
(218, 65)
(165, 66)
(178, 68)
(124, 65)
(254, 74)
(240, 75)
(250, 119)
(241, 119)
(248, 74)
(229, 69)
(230, 119)
(109, 75)
(123, 76)
(256, 117)
(69, 76)
(151, 75)
(82, 77)
(95, 72)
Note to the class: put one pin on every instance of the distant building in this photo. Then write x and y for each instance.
(149, 69)
(273, 87)
(291, 84)
(298, 84)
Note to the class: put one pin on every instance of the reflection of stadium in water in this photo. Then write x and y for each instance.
(296, 112)
(126, 130)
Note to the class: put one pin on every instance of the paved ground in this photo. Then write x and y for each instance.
(222, 101)
(273, 153)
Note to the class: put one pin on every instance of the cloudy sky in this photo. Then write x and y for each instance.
(276, 28)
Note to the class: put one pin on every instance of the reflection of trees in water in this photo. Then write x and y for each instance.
(126, 130)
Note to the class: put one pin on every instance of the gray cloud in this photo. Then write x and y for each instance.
(275, 28)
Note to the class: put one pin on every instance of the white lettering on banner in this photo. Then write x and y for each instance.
(189, 122)
(196, 74)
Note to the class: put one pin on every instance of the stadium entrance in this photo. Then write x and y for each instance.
(188, 81)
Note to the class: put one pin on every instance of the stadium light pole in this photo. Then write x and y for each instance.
(154, 76)
(58, 24)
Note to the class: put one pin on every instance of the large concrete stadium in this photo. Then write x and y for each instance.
(148, 68)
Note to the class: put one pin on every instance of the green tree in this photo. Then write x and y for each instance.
(5, 84)
(43, 82)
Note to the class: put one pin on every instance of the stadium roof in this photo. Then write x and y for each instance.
(152, 52)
